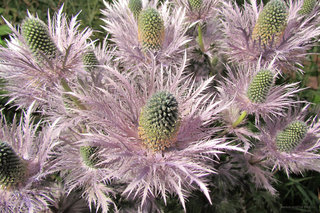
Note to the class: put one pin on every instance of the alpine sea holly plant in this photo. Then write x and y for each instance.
(127, 125)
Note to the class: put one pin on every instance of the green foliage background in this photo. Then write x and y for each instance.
(299, 193)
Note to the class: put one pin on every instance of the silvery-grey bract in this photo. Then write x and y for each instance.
(291, 143)
(132, 48)
(256, 94)
(32, 149)
(242, 41)
(33, 71)
(180, 165)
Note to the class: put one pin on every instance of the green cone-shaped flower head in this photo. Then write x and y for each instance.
(260, 86)
(12, 168)
(195, 4)
(271, 22)
(36, 34)
(135, 6)
(307, 7)
(159, 121)
(89, 155)
(289, 138)
(90, 61)
(151, 29)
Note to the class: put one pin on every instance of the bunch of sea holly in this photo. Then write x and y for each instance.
(162, 110)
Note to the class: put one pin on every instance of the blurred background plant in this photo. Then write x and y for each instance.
(299, 193)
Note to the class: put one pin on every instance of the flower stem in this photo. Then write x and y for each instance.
(240, 119)
(76, 100)
(200, 38)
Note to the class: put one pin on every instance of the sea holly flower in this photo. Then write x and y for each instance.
(252, 90)
(40, 56)
(90, 61)
(271, 23)
(25, 155)
(13, 169)
(36, 34)
(203, 14)
(308, 7)
(140, 39)
(81, 168)
(150, 29)
(291, 143)
(275, 30)
(199, 10)
(159, 121)
(157, 133)
(290, 137)
(135, 6)
(195, 4)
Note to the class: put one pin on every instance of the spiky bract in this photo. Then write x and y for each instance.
(90, 61)
(151, 29)
(159, 121)
(135, 6)
(195, 4)
(307, 7)
(271, 22)
(12, 168)
(36, 34)
(89, 155)
(260, 86)
(291, 136)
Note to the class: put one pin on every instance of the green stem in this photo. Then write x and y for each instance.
(76, 100)
(200, 38)
(240, 119)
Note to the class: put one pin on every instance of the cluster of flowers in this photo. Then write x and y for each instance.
(149, 114)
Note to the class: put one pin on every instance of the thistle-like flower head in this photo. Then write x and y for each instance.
(307, 7)
(271, 22)
(40, 55)
(195, 4)
(252, 89)
(36, 34)
(266, 32)
(260, 86)
(90, 61)
(89, 155)
(24, 163)
(151, 29)
(12, 167)
(291, 136)
(155, 135)
(199, 10)
(135, 6)
(291, 143)
(81, 167)
(159, 121)
(157, 32)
